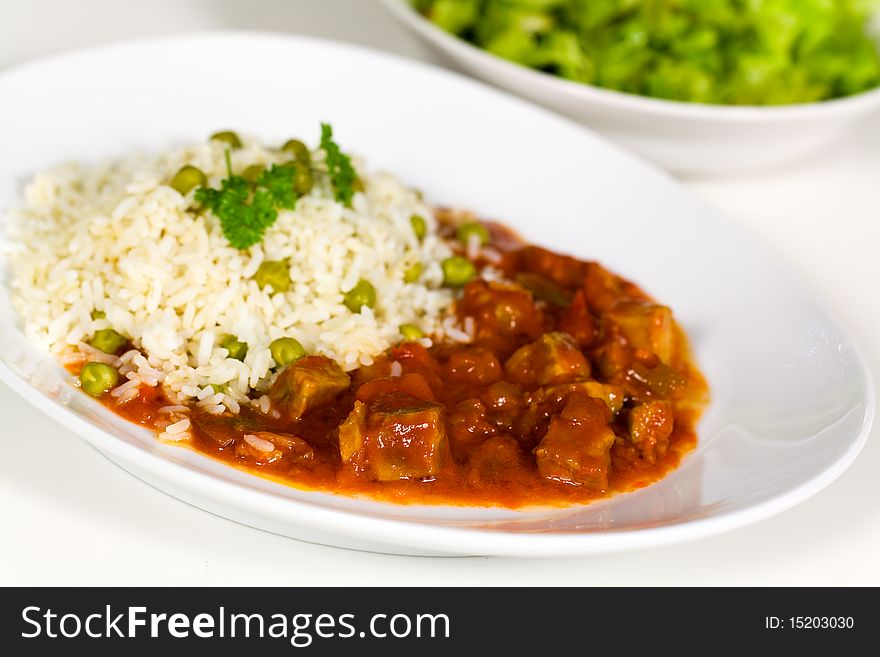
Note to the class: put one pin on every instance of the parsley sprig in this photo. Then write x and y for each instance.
(247, 209)
(342, 174)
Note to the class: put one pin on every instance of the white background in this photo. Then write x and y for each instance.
(71, 517)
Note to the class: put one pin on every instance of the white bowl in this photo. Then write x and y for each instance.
(685, 138)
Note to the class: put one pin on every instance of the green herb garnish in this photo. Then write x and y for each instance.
(342, 174)
(279, 182)
(248, 204)
(247, 209)
(244, 214)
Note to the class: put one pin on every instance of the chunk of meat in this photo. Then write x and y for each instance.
(612, 395)
(614, 359)
(381, 366)
(256, 450)
(504, 403)
(560, 269)
(396, 436)
(352, 430)
(294, 447)
(498, 458)
(621, 365)
(264, 447)
(664, 381)
(552, 358)
(504, 397)
(576, 449)
(468, 426)
(413, 384)
(225, 429)
(544, 289)
(646, 326)
(220, 429)
(651, 425)
(306, 384)
(415, 358)
(531, 423)
(602, 289)
(504, 314)
(578, 322)
(474, 365)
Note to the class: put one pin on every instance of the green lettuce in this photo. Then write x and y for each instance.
(736, 52)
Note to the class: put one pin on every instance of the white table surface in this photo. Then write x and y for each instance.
(72, 517)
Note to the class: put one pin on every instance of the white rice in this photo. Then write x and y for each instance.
(117, 238)
(258, 443)
(173, 409)
(177, 431)
(473, 246)
(454, 332)
(263, 404)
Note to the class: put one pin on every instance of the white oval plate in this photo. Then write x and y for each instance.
(792, 399)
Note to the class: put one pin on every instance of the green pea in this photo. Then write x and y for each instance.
(274, 273)
(419, 226)
(253, 172)
(303, 180)
(108, 341)
(286, 350)
(98, 378)
(464, 232)
(299, 150)
(411, 332)
(236, 348)
(188, 177)
(98, 314)
(227, 136)
(457, 271)
(412, 273)
(362, 294)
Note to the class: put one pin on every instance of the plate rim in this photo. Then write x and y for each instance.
(402, 531)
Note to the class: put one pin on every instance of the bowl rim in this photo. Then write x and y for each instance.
(625, 101)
